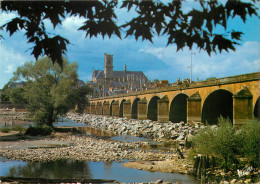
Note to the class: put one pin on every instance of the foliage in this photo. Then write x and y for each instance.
(226, 143)
(16, 95)
(4, 96)
(49, 89)
(5, 130)
(250, 139)
(198, 26)
(156, 81)
(39, 130)
(211, 78)
(218, 141)
(18, 128)
(13, 95)
(81, 98)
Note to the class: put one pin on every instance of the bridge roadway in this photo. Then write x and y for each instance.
(235, 97)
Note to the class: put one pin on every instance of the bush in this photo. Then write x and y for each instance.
(249, 135)
(18, 128)
(218, 141)
(5, 130)
(39, 130)
(227, 144)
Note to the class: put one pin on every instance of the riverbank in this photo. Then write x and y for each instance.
(9, 117)
(78, 147)
(159, 131)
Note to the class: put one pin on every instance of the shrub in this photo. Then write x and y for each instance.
(5, 130)
(249, 136)
(227, 144)
(18, 128)
(218, 141)
(39, 130)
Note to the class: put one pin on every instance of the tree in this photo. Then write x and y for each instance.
(197, 27)
(49, 89)
(5, 96)
(79, 96)
(16, 95)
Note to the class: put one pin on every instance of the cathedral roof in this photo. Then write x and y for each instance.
(99, 74)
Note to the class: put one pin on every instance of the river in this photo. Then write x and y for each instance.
(87, 169)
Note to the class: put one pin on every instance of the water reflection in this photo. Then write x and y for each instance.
(63, 122)
(94, 132)
(84, 169)
(57, 169)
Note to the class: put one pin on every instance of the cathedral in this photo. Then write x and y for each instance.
(111, 80)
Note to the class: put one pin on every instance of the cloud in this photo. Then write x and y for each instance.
(72, 23)
(245, 60)
(6, 17)
(10, 59)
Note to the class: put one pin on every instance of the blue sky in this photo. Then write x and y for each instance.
(156, 60)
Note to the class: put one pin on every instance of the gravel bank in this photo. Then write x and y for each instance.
(83, 148)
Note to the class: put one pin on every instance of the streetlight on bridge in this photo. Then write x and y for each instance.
(191, 65)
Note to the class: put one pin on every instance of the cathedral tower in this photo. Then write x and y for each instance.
(108, 65)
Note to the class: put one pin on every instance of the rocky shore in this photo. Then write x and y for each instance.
(78, 147)
(142, 128)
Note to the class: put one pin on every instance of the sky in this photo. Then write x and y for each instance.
(156, 60)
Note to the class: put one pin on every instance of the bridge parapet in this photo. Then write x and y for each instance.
(214, 82)
(235, 97)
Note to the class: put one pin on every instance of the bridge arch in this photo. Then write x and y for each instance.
(135, 108)
(218, 103)
(113, 101)
(256, 109)
(178, 108)
(152, 112)
(121, 110)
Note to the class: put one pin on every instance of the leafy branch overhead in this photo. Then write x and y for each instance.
(196, 27)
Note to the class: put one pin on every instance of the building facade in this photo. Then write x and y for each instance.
(109, 82)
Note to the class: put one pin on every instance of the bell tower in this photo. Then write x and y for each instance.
(108, 70)
(108, 65)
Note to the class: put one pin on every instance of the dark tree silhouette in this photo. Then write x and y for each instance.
(185, 29)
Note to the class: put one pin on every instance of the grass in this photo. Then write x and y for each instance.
(5, 129)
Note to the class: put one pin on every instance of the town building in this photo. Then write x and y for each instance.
(16, 84)
(109, 82)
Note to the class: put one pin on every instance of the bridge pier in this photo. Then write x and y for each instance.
(93, 108)
(87, 110)
(106, 108)
(142, 109)
(163, 109)
(194, 108)
(99, 109)
(115, 108)
(127, 109)
(242, 107)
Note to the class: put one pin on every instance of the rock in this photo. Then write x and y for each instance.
(224, 182)
(148, 128)
(181, 137)
(159, 181)
(247, 181)
(233, 181)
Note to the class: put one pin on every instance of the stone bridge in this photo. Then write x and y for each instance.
(236, 98)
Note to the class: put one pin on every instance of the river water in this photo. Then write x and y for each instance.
(86, 169)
